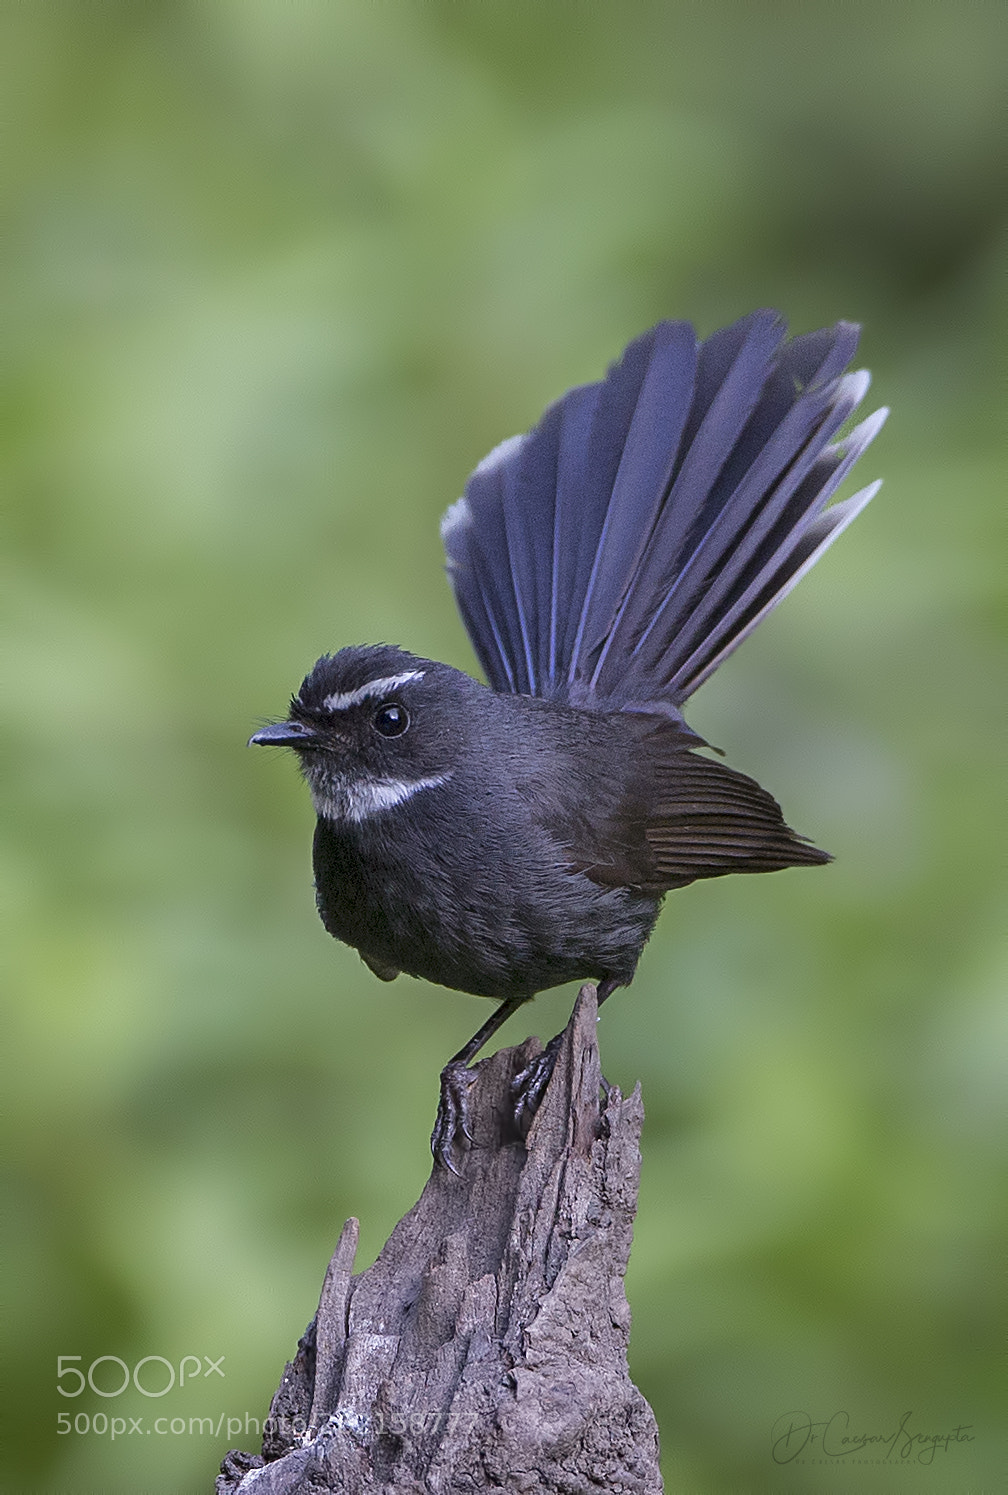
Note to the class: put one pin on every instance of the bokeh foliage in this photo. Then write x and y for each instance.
(276, 276)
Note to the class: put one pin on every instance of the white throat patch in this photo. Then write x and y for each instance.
(353, 801)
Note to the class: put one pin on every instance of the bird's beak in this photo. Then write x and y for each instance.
(282, 734)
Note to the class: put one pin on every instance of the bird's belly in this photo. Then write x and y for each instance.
(494, 931)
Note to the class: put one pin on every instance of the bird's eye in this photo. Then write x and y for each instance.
(391, 720)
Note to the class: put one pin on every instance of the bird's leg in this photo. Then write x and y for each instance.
(451, 1125)
(529, 1084)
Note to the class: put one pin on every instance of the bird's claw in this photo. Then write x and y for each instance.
(451, 1126)
(529, 1085)
(452, 1134)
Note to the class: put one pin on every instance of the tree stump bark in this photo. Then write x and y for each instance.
(486, 1348)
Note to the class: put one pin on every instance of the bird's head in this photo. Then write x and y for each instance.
(373, 726)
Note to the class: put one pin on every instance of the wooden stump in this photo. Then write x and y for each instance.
(486, 1348)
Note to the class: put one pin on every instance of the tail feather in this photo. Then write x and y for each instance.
(786, 555)
(752, 536)
(487, 600)
(644, 471)
(709, 528)
(722, 402)
(572, 500)
(619, 552)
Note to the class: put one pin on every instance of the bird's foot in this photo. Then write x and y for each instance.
(529, 1085)
(451, 1132)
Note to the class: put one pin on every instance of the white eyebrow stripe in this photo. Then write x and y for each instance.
(358, 801)
(342, 700)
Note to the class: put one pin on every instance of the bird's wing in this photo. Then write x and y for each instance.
(614, 556)
(684, 816)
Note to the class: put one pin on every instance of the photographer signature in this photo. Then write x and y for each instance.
(832, 1437)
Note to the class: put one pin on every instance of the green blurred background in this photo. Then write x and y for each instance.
(276, 277)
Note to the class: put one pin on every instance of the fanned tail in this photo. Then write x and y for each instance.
(615, 555)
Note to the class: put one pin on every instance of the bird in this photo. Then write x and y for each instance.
(506, 837)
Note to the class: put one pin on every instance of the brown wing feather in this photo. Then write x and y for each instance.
(709, 820)
(687, 816)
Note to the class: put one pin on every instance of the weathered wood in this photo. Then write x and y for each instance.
(486, 1347)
